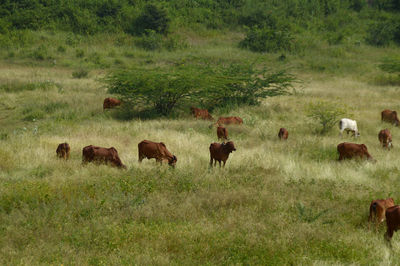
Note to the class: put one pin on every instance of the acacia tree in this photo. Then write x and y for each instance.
(163, 89)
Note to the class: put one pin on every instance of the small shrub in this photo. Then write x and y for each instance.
(79, 53)
(150, 41)
(327, 115)
(80, 73)
(40, 53)
(267, 40)
(61, 49)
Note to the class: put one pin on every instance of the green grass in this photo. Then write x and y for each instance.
(274, 203)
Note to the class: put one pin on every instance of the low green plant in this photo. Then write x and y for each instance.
(151, 41)
(268, 40)
(326, 114)
(80, 73)
(79, 53)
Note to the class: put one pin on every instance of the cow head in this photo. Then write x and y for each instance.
(172, 161)
(229, 146)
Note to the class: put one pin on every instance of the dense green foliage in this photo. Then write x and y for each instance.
(211, 86)
(377, 21)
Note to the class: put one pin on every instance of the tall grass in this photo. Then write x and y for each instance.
(274, 202)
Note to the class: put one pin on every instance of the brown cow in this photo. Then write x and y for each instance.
(220, 152)
(283, 133)
(201, 113)
(349, 150)
(390, 116)
(63, 150)
(101, 155)
(110, 103)
(385, 138)
(149, 149)
(377, 210)
(228, 121)
(222, 133)
(392, 221)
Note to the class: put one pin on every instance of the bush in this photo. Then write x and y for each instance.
(150, 41)
(153, 18)
(267, 40)
(327, 114)
(81, 73)
(384, 32)
(79, 53)
(40, 53)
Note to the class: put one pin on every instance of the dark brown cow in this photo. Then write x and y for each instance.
(390, 116)
(283, 133)
(392, 221)
(201, 113)
(101, 155)
(385, 138)
(222, 133)
(63, 150)
(149, 149)
(110, 103)
(377, 210)
(349, 150)
(220, 152)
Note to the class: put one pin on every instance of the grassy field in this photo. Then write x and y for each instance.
(274, 202)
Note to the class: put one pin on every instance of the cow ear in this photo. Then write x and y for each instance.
(162, 143)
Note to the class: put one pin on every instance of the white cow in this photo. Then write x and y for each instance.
(348, 125)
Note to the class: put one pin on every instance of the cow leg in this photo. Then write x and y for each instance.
(141, 157)
(219, 161)
(224, 163)
(211, 161)
(388, 236)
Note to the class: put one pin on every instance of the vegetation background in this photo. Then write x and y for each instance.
(274, 202)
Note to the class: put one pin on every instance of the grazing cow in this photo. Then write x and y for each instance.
(228, 121)
(377, 211)
(283, 133)
(101, 155)
(220, 152)
(110, 103)
(222, 133)
(349, 150)
(348, 125)
(201, 113)
(392, 221)
(390, 116)
(63, 150)
(385, 138)
(149, 149)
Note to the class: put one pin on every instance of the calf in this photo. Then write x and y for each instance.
(392, 221)
(110, 103)
(222, 133)
(348, 125)
(283, 133)
(101, 155)
(201, 113)
(149, 149)
(63, 150)
(349, 150)
(220, 152)
(385, 138)
(390, 116)
(377, 211)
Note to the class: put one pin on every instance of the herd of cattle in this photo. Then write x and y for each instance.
(379, 209)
